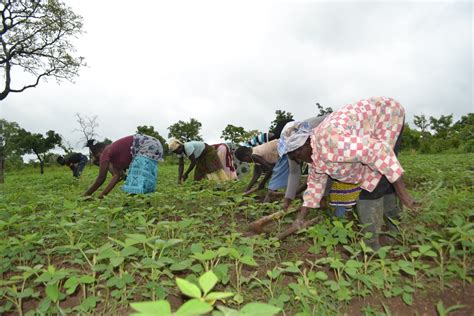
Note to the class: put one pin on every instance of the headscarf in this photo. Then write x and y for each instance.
(174, 143)
(293, 136)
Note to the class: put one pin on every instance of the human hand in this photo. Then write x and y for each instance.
(407, 201)
(411, 204)
(286, 204)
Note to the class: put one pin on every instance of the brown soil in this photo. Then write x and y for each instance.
(424, 303)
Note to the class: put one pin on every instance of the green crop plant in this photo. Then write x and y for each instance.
(202, 301)
(97, 256)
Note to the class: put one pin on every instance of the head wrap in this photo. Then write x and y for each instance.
(174, 143)
(293, 136)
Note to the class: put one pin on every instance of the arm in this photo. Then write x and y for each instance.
(315, 190)
(403, 193)
(266, 166)
(103, 168)
(180, 169)
(190, 168)
(116, 176)
(311, 199)
(267, 177)
(257, 172)
(294, 177)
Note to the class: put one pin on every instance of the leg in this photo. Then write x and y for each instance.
(340, 211)
(80, 166)
(371, 215)
(391, 210)
(302, 188)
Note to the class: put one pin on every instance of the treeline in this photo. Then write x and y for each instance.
(439, 135)
(428, 136)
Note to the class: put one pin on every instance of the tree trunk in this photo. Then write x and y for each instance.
(41, 162)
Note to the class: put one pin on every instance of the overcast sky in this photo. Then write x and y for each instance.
(157, 62)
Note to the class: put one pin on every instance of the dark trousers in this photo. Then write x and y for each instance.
(80, 167)
(373, 208)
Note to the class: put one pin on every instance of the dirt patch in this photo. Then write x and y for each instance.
(424, 303)
(175, 301)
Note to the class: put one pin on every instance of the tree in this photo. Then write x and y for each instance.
(9, 150)
(186, 131)
(38, 144)
(280, 116)
(150, 131)
(36, 38)
(410, 138)
(107, 141)
(422, 123)
(465, 127)
(324, 111)
(442, 125)
(66, 146)
(87, 126)
(237, 134)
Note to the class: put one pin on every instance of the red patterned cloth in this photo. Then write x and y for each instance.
(355, 145)
(228, 156)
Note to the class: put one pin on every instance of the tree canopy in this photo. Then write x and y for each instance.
(280, 116)
(421, 122)
(35, 143)
(435, 135)
(237, 134)
(36, 38)
(186, 131)
(323, 110)
(8, 148)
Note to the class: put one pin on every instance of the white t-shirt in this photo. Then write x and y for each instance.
(194, 147)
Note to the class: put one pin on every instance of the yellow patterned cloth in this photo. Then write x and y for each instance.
(343, 194)
(218, 175)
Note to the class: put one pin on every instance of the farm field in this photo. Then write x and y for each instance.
(60, 254)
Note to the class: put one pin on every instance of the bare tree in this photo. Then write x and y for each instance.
(88, 127)
(36, 38)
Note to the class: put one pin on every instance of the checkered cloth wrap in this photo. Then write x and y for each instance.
(355, 145)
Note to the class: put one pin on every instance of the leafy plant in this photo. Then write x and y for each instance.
(202, 301)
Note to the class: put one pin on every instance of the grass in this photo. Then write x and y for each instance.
(60, 254)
